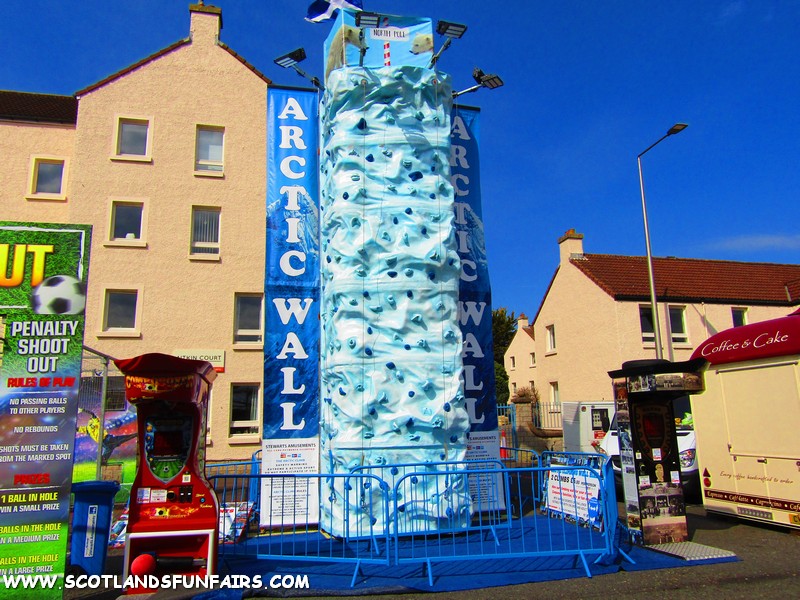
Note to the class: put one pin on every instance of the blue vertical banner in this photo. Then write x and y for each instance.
(474, 294)
(291, 292)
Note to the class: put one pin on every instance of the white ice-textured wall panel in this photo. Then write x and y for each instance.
(391, 343)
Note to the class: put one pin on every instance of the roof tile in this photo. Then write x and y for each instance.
(693, 280)
(47, 108)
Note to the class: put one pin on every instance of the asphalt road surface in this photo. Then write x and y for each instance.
(768, 566)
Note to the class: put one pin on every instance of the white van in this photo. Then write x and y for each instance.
(684, 428)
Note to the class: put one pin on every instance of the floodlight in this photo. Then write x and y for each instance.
(451, 31)
(483, 80)
(367, 19)
(291, 59)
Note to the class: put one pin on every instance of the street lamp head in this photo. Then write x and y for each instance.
(677, 128)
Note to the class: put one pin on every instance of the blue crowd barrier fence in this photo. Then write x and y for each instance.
(429, 513)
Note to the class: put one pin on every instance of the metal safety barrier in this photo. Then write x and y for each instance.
(431, 513)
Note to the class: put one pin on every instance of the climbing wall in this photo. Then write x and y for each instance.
(391, 345)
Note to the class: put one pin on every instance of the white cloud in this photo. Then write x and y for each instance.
(731, 11)
(758, 242)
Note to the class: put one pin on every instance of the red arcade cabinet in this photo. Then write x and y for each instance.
(173, 518)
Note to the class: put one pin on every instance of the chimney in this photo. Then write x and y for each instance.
(206, 22)
(522, 321)
(570, 245)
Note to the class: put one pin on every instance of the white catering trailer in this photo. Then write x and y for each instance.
(585, 424)
(747, 421)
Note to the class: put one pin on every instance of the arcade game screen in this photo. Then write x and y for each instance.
(167, 443)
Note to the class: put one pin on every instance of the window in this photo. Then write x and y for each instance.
(247, 326)
(244, 409)
(646, 320)
(513, 388)
(132, 139)
(739, 316)
(127, 222)
(533, 359)
(208, 150)
(47, 178)
(677, 325)
(555, 399)
(121, 312)
(551, 338)
(205, 231)
(513, 362)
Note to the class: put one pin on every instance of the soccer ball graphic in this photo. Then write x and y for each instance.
(59, 295)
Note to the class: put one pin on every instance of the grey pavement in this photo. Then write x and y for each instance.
(768, 567)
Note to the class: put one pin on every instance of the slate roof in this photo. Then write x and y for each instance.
(693, 280)
(40, 108)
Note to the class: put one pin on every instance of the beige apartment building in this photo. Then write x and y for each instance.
(166, 160)
(596, 314)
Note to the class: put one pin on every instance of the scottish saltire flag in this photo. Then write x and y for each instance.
(322, 10)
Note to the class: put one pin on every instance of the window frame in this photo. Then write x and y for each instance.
(208, 256)
(33, 179)
(200, 172)
(533, 359)
(512, 362)
(679, 337)
(122, 332)
(119, 121)
(250, 423)
(555, 395)
(141, 241)
(647, 337)
(238, 331)
(551, 346)
(742, 310)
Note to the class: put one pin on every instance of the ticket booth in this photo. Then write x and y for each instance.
(173, 517)
(644, 391)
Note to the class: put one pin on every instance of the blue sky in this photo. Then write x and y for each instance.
(589, 84)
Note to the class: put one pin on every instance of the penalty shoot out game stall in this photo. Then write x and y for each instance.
(173, 518)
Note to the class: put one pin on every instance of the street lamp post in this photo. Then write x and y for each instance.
(677, 128)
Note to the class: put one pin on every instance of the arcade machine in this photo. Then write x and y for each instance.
(173, 518)
(644, 391)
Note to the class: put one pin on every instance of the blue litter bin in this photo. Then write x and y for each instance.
(91, 523)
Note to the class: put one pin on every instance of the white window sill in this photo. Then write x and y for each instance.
(248, 346)
(124, 243)
(119, 333)
(205, 257)
(248, 439)
(46, 197)
(132, 158)
(551, 352)
(212, 174)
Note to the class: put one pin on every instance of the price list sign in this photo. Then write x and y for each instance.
(43, 271)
